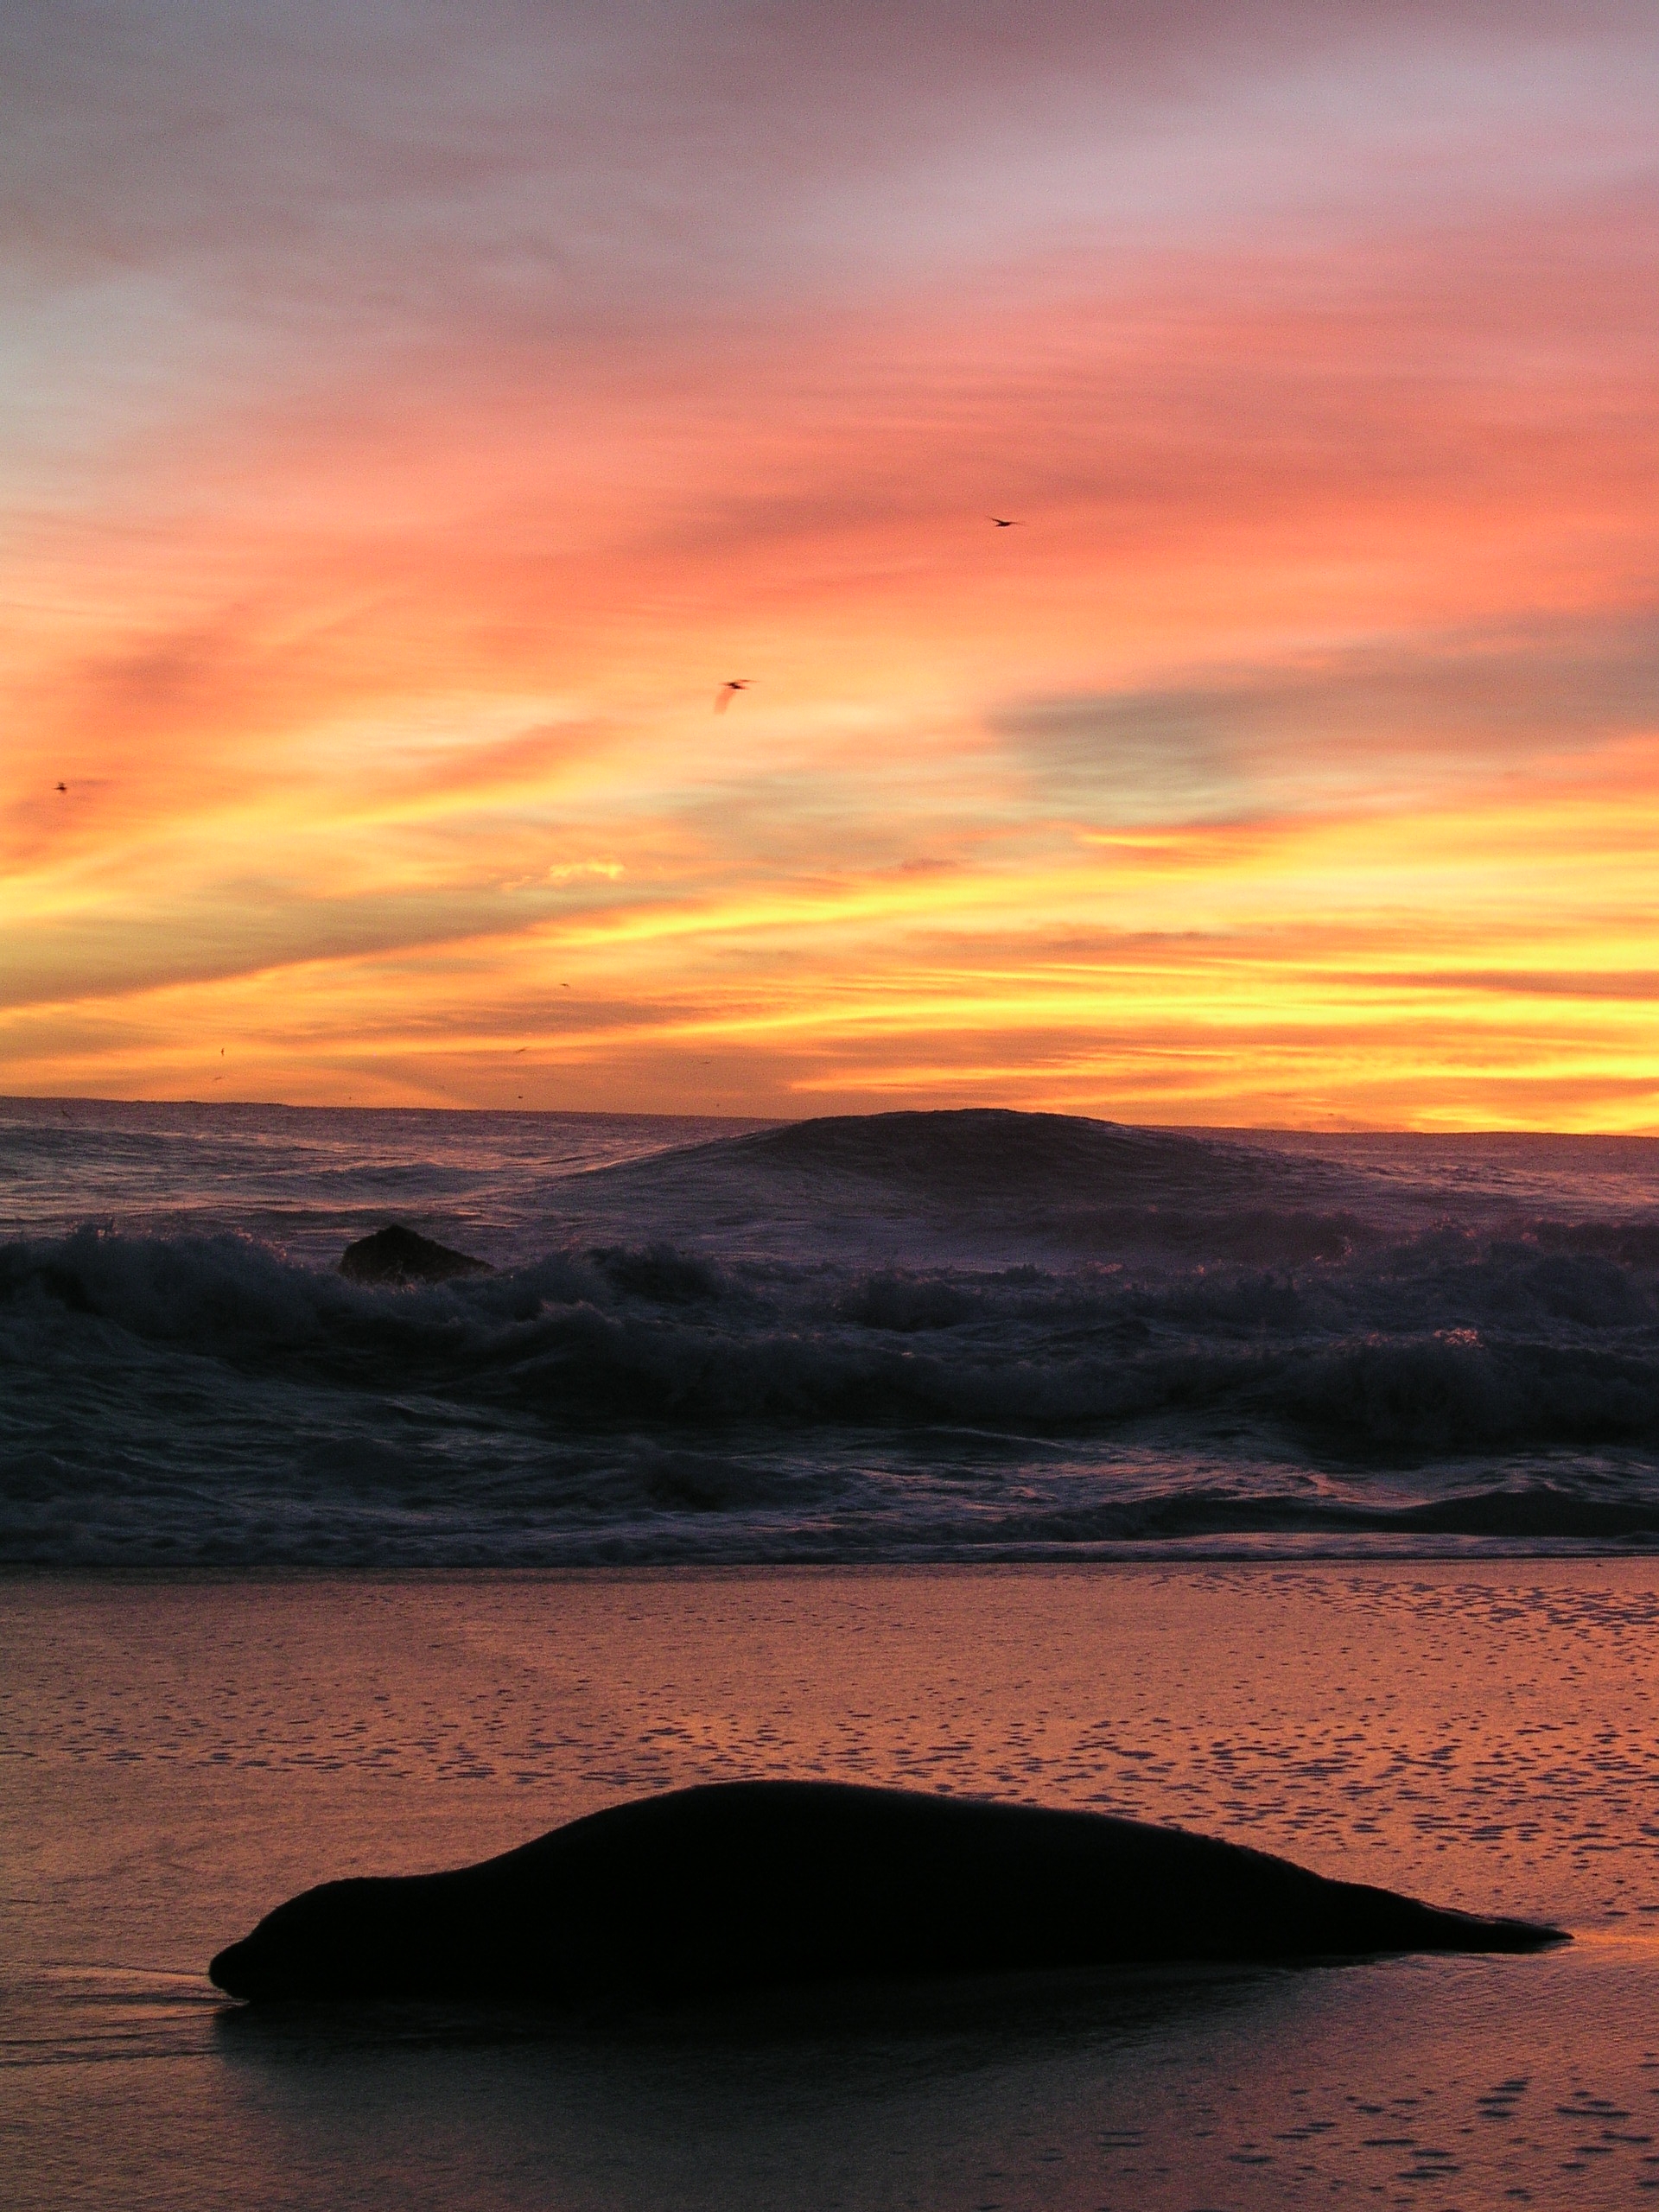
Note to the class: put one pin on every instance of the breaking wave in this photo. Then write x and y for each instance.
(1208, 1342)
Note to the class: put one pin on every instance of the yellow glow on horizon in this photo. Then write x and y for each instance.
(1256, 973)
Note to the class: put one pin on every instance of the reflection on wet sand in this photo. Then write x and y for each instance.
(177, 1758)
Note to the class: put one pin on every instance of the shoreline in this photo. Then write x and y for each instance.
(1565, 1551)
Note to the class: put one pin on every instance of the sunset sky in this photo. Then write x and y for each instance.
(414, 413)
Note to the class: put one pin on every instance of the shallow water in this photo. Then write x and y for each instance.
(904, 1336)
(175, 1758)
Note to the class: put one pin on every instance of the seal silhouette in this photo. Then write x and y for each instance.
(706, 1893)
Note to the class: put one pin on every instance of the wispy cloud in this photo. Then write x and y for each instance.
(1311, 731)
(418, 415)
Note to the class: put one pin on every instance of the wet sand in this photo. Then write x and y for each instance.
(175, 1758)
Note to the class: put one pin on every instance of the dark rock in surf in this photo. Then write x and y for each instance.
(707, 1893)
(394, 1254)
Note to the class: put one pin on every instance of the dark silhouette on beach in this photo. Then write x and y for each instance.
(709, 1892)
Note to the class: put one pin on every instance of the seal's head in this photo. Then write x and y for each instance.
(333, 1942)
(236, 1969)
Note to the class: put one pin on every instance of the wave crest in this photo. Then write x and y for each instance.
(204, 1398)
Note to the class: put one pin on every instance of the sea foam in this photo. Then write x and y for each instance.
(894, 1336)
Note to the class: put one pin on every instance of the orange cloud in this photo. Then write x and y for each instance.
(395, 502)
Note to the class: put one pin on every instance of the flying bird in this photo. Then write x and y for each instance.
(63, 787)
(1005, 522)
(728, 691)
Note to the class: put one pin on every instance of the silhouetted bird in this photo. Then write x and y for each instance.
(1003, 521)
(63, 787)
(728, 691)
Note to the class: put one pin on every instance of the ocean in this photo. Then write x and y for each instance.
(908, 1337)
(1301, 1490)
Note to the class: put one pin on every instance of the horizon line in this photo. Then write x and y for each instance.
(1486, 1132)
